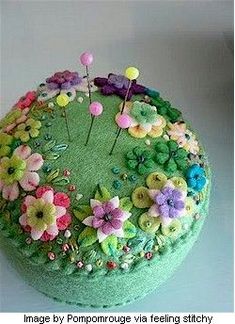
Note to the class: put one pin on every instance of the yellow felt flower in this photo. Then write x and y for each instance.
(41, 214)
(5, 142)
(12, 169)
(27, 130)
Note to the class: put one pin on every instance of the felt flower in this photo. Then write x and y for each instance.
(169, 203)
(170, 156)
(12, 119)
(140, 160)
(45, 214)
(26, 100)
(164, 108)
(144, 119)
(195, 176)
(5, 142)
(83, 86)
(183, 136)
(27, 130)
(118, 84)
(107, 217)
(17, 170)
(61, 82)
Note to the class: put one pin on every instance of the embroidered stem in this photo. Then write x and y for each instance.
(89, 133)
(118, 134)
(88, 83)
(67, 124)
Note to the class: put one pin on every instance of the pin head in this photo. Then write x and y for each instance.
(123, 121)
(86, 58)
(132, 73)
(62, 100)
(96, 108)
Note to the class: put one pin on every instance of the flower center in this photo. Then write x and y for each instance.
(27, 128)
(170, 202)
(39, 214)
(143, 113)
(141, 159)
(11, 170)
(107, 217)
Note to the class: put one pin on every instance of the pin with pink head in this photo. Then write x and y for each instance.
(96, 110)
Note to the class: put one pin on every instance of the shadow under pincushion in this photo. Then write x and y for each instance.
(89, 166)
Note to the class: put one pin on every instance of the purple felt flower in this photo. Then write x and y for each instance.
(107, 218)
(169, 203)
(118, 84)
(63, 80)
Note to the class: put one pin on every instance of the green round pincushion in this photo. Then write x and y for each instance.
(87, 227)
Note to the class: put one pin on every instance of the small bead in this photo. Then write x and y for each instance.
(78, 196)
(115, 170)
(66, 173)
(119, 246)
(51, 104)
(147, 142)
(28, 240)
(117, 184)
(156, 247)
(148, 255)
(197, 216)
(79, 264)
(51, 256)
(80, 99)
(59, 241)
(111, 265)
(48, 124)
(142, 254)
(76, 227)
(124, 176)
(124, 266)
(47, 137)
(65, 247)
(89, 267)
(166, 137)
(126, 248)
(133, 178)
(71, 187)
(67, 233)
(99, 263)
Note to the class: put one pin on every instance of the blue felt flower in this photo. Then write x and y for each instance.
(195, 176)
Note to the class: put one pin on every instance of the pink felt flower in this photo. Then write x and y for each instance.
(19, 170)
(45, 214)
(107, 218)
(26, 100)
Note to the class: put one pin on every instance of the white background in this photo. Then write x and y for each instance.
(182, 48)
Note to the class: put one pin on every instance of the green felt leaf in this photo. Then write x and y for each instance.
(87, 237)
(89, 256)
(61, 181)
(48, 146)
(102, 194)
(82, 211)
(149, 245)
(52, 175)
(129, 229)
(126, 203)
(59, 148)
(109, 245)
(51, 156)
